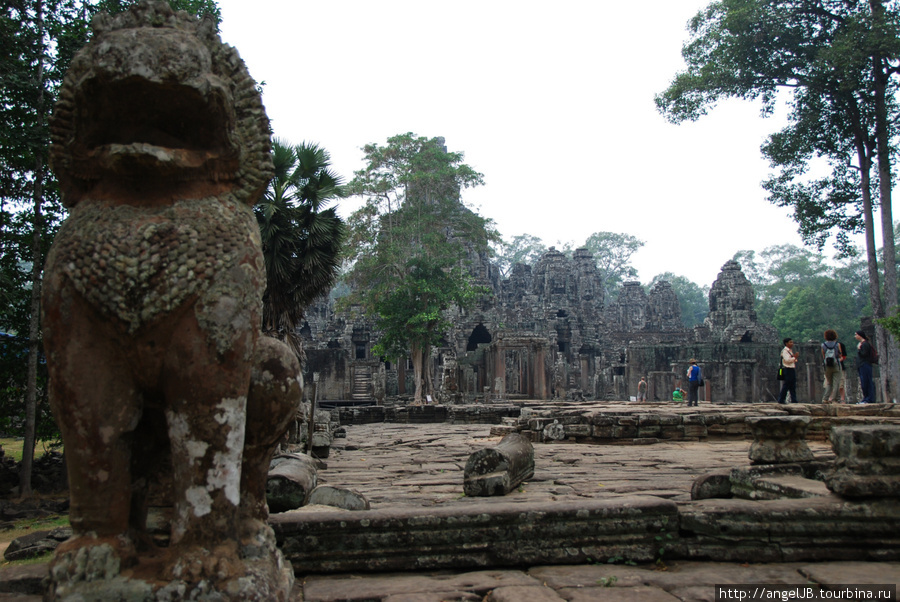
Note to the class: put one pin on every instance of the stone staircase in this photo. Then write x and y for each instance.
(362, 380)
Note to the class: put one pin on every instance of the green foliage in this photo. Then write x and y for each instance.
(301, 239)
(612, 252)
(693, 299)
(37, 41)
(524, 248)
(807, 311)
(413, 243)
(199, 8)
(414, 313)
(802, 296)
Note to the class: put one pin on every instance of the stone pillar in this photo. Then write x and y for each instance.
(868, 461)
(813, 393)
(540, 374)
(779, 439)
(500, 368)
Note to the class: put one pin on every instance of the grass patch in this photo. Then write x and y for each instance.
(43, 558)
(12, 448)
(30, 525)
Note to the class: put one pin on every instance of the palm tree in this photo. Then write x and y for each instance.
(301, 240)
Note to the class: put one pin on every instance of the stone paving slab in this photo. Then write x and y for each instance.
(380, 586)
(687, 581)
(422, 465)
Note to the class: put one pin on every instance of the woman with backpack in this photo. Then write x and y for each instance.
(865, 357)
(832, 356)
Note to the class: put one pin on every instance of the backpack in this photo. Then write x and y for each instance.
(831, 354)
(874, 358)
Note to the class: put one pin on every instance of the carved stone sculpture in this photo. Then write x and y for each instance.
(159, 378)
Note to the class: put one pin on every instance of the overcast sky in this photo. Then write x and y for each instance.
(553, 105)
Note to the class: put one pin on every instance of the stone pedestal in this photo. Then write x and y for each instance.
(779, 439)
(868, 461)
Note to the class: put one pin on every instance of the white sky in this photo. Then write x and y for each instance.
(553, 105)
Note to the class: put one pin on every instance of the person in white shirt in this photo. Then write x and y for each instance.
(789, 365)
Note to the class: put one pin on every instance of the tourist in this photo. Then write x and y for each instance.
(789, 369)
(865, 354)
(642, 390)
(831, 359)
(694, 380)
(678, 394)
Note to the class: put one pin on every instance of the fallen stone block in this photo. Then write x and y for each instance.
(779, 439)
(338, 497)
(36, 544)
(554, 432)
(498, 470)
(868, 461)
(716, 484)
(291, 479)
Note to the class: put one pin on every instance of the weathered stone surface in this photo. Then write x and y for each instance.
(779, 439)
(500, 469)
(774, 481)
(523, 593)
(712, 485)
(325, 495)
(788, 530)
(554, 431)
(618, 594)
(23, 579)
(868, 461)
(160, 381)
(836, 573)
(477, 536)
(369, 587)
(36, 544)
(291, 479)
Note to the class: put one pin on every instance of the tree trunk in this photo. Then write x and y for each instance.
(872, 257)
(427, 372)
(890, 367)
(34, 326)
(416, 354)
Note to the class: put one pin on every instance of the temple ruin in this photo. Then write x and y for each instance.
(546, 332)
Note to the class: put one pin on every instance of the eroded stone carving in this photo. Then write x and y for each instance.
(152, 303)
(779, 439)
(868, 461)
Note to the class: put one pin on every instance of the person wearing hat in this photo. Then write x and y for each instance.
(694, 379)
(789, 365)
(865, 353)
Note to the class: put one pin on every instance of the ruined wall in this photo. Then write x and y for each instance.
(546, 333)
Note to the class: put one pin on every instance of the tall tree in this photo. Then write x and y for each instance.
(39, 38)
(613, 251)
(838, 57)
(413, 243)
(301, 239)
(37, 41)
(523, 248)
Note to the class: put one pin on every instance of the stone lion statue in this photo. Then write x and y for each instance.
(159, 377)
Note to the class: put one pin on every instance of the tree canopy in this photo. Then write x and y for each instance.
(37, 41)
(414, 245)
(839, 60)
(301, 239)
